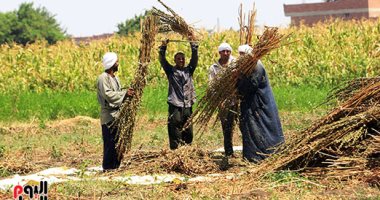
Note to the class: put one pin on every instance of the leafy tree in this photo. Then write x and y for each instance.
(7, 22)
(130, 25)
(28, 24)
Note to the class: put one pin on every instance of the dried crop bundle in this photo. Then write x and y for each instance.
(127, 118)
(223, 87)
(343, 143)
(174, 22)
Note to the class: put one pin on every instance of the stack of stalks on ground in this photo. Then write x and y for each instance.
(127, 118)
(223, 87)
(189, 160)
(344, 143)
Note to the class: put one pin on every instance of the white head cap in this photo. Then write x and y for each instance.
(224, 46)
(109, 59)
(245, 48)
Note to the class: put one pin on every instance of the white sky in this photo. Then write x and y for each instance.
(94, 17)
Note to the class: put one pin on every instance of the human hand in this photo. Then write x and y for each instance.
(165, 42)
(130, 92)
(194, 43)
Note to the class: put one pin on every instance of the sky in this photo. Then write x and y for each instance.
(94, 17)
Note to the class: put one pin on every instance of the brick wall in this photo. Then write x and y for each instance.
(335, 5)
(311, 13)
(374, 6)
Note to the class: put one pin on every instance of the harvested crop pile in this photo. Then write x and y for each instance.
(344, 143)
(188, 160)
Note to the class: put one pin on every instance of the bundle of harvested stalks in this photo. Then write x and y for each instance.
(348, 88)
(346, 139)
(223, 87)
(364, 98)
(126, 120)
(174, 22)
(188, 160)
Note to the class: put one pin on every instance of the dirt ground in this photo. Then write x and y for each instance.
(31, 147)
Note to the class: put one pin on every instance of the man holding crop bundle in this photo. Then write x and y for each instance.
(110, 97)
(259, 120)
(181, 94)
(227, 113)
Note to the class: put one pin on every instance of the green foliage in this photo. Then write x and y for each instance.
(130, 25)
(7, 22)
(28, 24)
(56, 105)
(47, 106)
(325, 54)
(55, 153)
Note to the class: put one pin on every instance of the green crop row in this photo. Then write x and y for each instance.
(321, 55)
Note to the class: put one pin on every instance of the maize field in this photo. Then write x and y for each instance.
(325, 54)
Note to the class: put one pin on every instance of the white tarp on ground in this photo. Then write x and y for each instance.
(235, 148)
(62, 174)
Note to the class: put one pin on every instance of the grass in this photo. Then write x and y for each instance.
(33, 146)
(49, 105)
(47, 142)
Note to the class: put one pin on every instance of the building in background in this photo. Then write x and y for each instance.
(311, 13)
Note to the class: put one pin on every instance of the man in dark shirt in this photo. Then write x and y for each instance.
(181, 94)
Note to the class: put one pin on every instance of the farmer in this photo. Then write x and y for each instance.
(181, 93)
(244, 49)
(110, 97)
(227, 112)
(259, 121)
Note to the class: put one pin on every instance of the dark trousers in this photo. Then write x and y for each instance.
(227, 117)
(110, 159)
(176, 121)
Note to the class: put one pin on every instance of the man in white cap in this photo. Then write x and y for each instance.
(227, 113)
(244, 49)
(110, 97)
(181, 93)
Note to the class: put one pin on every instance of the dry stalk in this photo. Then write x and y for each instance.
(345, 141)
(223, 87)
(127, 118)
(246, 31)
(188, 160)
(174, 22)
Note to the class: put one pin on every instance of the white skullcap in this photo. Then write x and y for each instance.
(245, 48)
(224, 46)
(109, 59)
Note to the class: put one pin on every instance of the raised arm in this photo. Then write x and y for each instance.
(162, 57)
(194, 57)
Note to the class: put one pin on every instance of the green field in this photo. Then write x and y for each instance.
(49, 115)
(52, 105)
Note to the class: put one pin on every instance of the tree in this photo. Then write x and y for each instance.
(130, 25)
(27, 24)
(7, 22)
